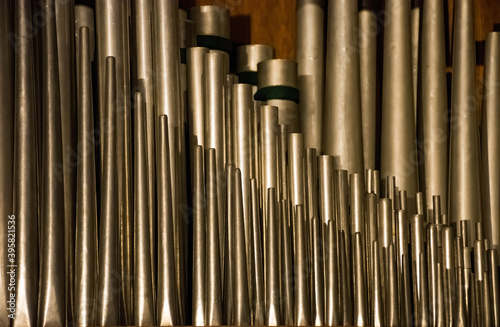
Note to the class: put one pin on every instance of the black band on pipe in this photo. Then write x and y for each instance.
(281, 92)
(214, 42)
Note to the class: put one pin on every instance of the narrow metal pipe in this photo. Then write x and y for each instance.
(333, 306)
(416, 39)
(280, 75)
(360, 286)
(86, 216)
(377, 308)
(490, 144)
(228, 256)
(143, 275)
(371, 221)
(230, 128)
(344, 282)
(436, 306)
(283, 138)
(367, 21)
(242, 307)
(310, 60)
(25, 171)
(492, 255)
(257, 275)
(464, 184)
(449, 274)
(213, 275)
(287, 273)
(108, 301)
(392, 295)
(398, 123)
(167, 311)
(52, 293)
(143, 72)
(302, 301)
(342, 123)
(296, 171)
(199, 243)
(268, 133)
(433, 132)
(273, 312)
(460, 300)
(357, 201)
(196, 95)
(318, 275)
(7, 152)
(385, 223)
(84, 17)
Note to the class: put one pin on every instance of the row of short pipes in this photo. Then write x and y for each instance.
(151, 185)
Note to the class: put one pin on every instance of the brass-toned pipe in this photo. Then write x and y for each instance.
(257, 275)
(416, 39)
(377, 306)
(112, 32)
(371, 218)
(108, 300)
(385, 223)
(213, 295)
(464, 184)
(52, 293)
(492, 257)
(281, 75)
(318, 275)
(199, 243)
(344, 282)
(392, 295)
(287, 273)
(143, 274)
(84, 17)
(283, 138)
(367, 21)
(433, 130)
(419, 202)
(273, 312)
(357, 201)
(310, 60)
(460, 300)
(86, 216)
(360, 286)
(25, 171)
(333, 314)
(7, 152)
(398, 123)
(167, 311)
(143, 75)
(342, 124)
(490, 144)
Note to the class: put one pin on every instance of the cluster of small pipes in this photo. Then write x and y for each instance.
(150, 185)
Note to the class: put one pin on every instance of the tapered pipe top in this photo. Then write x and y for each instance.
(398, 123)
(84, 16)
(464, 178)
(250, 55)
(433, 130)
(211, 20)
(490, 140)
(342, 132)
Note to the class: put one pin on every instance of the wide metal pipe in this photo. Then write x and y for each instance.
(278, 86)
(273, 312)
(108, 313)
(213, 27)
(398, 123)
(247, 58)
(25, 174)
(368, 31)
(464, 178)
(144, 313)
(143, 77)
(490, 140)
(433, 130)
(112, 18)
(213, 276)
(86, 216)
(167, 311)
(199, 243)
(342, 132)
(52, 293)
(310, 60)
(6, 152)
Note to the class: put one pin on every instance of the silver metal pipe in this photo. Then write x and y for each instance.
(464, 184)
(385, 223)
(326, 189)
(492, 255)
(257, 275)
(281, 75)
(144, 313)
(318, 275)
(273, 312)
(213, 275)
(53, 263)
(296, 172)
(199, 243)
(344, 282)
(449, 274)
(211, 20)
(398, 123)
(214, 126)
(433, 133)
(360, 286)
(342, 131)
(357, 201)
(247, 58)
(142, 27)
(108, 300)
(86, 244)
(7, 152)
(302, 302)
(196, 95)
(460, 300)
(228, 256)
(242, 308)
(167, 311)
(25, 173)
(490, 144)
(371, 221)
(268, 134)
(333, 313)
(310, 60)
(287, 273)
(112, 32)
(284, 182)
(368, 31)
(229, 112)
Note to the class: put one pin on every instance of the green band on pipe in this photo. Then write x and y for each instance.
(183, 56)
(280, 92)
(247, 77)
(214, 42)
